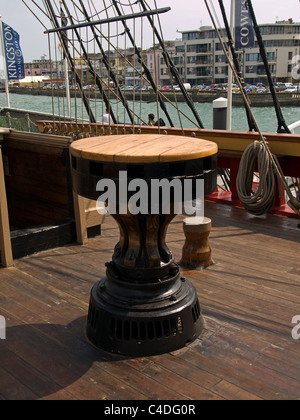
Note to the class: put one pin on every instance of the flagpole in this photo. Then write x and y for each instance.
(230, 73)
(4, 64)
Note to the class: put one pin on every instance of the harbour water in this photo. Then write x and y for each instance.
(266, 117)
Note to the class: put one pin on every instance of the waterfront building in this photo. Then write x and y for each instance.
(42, 67)
(199, 56)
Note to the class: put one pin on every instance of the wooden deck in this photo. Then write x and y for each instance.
(248, 299)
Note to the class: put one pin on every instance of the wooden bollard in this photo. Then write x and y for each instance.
(196, 252)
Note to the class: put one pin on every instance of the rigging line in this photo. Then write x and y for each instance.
(107, 65)
(51, 78)
(215, 13)
(156, 77)
(89, 41)
(146, 70)
(236, 63)
(229, 59)
(142, 52)
(172, 82)
(294, 204)
(91, 69)
(282, 127)
(69, 58)
(162, 96)
(38, 19)
(173, 69)
(83, 20)
(126, 4)
(179, 112)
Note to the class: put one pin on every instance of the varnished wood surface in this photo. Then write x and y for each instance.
(143, 148)
(248, 299)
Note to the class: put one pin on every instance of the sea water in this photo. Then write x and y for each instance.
(265, 116)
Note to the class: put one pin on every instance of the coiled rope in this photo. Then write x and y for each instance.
(261, 200)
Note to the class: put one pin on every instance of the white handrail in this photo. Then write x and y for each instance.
(293, 126)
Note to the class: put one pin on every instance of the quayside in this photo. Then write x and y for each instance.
(248, 299)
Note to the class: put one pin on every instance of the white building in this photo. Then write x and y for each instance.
(199, 57)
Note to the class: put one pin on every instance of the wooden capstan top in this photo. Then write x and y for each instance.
(143, 148)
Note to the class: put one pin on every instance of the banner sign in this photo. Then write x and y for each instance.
(244, 30)
(13, 53)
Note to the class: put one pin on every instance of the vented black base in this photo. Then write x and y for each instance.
(143, 326)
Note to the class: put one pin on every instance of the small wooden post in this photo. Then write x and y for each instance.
(196, 253)
(5, 241)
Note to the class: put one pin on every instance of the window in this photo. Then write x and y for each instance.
(191, 60)
(270, 57)
(191, 70)
(180, 48)
(275, 30)
(252, 57)
(221, 70)
(220, 59)
(178, 61)
(190, 36)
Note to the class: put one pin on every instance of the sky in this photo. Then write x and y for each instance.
(184, 15)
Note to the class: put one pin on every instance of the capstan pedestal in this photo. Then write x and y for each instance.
(143, 306)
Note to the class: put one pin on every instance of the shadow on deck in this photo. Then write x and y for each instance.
(248, 300)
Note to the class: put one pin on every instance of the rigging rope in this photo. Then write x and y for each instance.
(282, 127)
(236, 62)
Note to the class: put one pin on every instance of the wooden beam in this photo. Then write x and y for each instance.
(5, 241)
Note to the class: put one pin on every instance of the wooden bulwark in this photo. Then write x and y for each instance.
(38, 179)
(234, 141)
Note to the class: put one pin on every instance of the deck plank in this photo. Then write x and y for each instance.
(248, 299)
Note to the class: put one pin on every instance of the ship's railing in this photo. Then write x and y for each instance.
(231, 145)
(292, 127)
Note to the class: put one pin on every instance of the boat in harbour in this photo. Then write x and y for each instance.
(55, 245)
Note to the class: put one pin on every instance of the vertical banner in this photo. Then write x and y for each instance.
(244, 30)
(13, 53)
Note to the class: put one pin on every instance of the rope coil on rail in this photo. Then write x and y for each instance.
(262, 200)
